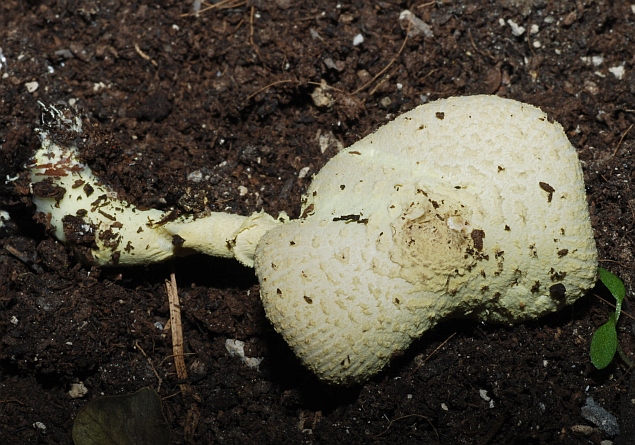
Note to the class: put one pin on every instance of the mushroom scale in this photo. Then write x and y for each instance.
(463, 207)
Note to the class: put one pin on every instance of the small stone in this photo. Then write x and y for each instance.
(31, 86)
(77, 390)
(516, 29)
(303, 172)
(617, 71)
(414, 24)
(600, 417)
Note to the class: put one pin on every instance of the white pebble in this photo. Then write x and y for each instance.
(516, 29)
(358, 40)
(303, 172)
(31, 86)
(77, 390)
(617, 71)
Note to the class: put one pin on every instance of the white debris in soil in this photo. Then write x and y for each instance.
(414, 24)
(328, 140)
(195, 176)
(516, 29)
(486, 397)
(31, 87)
(584, 430)
(236, 348)
(4, 216)
(242, 190)
(3, 60)
(321, 97)
(358, 40)
(303, 172)
(534, 29)
(39, 426)
(595, 60)
(77, 390)
(617, 71)
(600, 417)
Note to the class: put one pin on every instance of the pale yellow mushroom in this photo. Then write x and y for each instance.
(464, 207)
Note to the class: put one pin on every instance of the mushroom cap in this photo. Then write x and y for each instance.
(463, 207)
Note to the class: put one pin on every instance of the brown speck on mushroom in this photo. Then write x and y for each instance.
(46, 189)
(308, 300)
(477, 236)
(563, 252)
(177, 241)
(440, 115)
(88, 189)
(307, 211)
(107, 215)
(557, 276)
(535, 288)
(507, 228)
(547, 188)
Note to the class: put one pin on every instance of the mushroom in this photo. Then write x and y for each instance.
(111, 232)
(464, 207)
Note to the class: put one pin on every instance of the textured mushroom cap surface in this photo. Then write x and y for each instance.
(464, 207)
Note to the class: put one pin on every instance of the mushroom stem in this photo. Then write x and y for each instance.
(108, 231)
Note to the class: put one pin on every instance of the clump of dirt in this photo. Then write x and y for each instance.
(234, 108)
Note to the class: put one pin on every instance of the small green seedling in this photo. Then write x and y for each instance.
(604, 343)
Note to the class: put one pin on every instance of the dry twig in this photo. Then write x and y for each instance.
(136, 343)
(224, 4)
(621, 139)
(405, 417)
(403, 45)
(176, 329)
(431, 354)
(269, 86)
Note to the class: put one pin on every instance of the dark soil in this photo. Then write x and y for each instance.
(186, 109)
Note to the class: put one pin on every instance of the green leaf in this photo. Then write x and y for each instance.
(615, 287)
(133, 419)
(604, 344)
